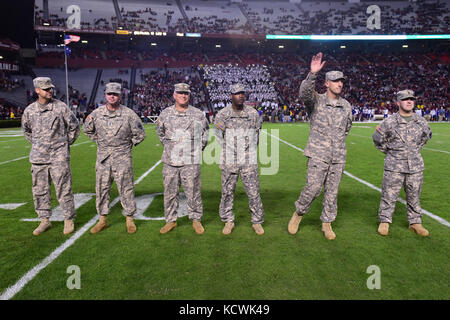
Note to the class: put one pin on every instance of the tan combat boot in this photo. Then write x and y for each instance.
(101, 224)
(229, 226)
(69, 226)
(131, 227)
(327, 231)
(43, 226)
(169, 226)
(293, 224)
(258, 229)
(197, 225)
(419, 229)
(383, 228)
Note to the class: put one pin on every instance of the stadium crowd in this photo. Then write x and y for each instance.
(154, 91)
(8, 111)
(8, 83)
(256, 78)
(274, 79)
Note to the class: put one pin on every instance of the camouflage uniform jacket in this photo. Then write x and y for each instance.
(50, 129)
(115, 132)
(402, 142)
(245, 125)
(330, 122)
(183, 134)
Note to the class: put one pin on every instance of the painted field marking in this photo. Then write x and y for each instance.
(25, 157)
(428, 213)
(20, 284)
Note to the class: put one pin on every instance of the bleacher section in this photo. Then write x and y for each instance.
(95, 14)
(266, 17)
(119, 75)
(149, 16)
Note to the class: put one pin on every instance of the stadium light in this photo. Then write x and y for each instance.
(358, 37)
(46, 24)
(218, 46)
(195, 35)
(405, 46)
(343, 47)
(1, 57)
(179, 34)
(84, 41)
(281, 47)
(153, 44)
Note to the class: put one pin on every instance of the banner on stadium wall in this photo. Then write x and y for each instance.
(6, 66)
(62, 29)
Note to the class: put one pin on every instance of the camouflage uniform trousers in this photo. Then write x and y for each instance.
(392, 184)
(250, 180)
(321, 174)
(120, 171)
(42, 175)
(189, 177)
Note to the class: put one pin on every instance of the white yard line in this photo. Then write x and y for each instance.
(11, 140)
(20, 284)
(436, 150)
(428, 213)
(25, 157)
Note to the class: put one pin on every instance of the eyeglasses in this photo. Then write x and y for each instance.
(47, 89)
(112, 94)
(183, 93)
(409, 99)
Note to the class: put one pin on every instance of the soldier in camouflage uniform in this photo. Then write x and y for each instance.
(50, 127)
(116, 129)
(237, 130)
(331, 120)
(401, 137)
(183, 131)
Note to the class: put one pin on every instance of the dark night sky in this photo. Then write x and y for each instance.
(16, 22)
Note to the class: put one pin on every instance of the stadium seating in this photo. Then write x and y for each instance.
(261, 17)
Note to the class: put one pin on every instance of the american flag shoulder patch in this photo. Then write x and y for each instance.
(220, 125)
(378, 128)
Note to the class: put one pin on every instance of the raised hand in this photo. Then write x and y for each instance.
(316, 63)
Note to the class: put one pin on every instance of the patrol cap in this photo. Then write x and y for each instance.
(182, 87)
(334, 75)
(43, 83)
(236, 88)
(405, 94)
(113, 87)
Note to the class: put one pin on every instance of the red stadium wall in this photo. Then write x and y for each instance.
(51, 62)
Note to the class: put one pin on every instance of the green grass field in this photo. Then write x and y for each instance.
(183, 265)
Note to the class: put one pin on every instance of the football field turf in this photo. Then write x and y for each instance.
(183, 265)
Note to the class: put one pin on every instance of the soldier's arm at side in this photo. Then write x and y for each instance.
(159, 127)
(379, 138)
(426, 134)
(307, 93)
(219, 128)
(73, 127)
(137, 130)
(26, 126)
(349, 122)
(89, 128)
(258, 127)
(205, 132)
